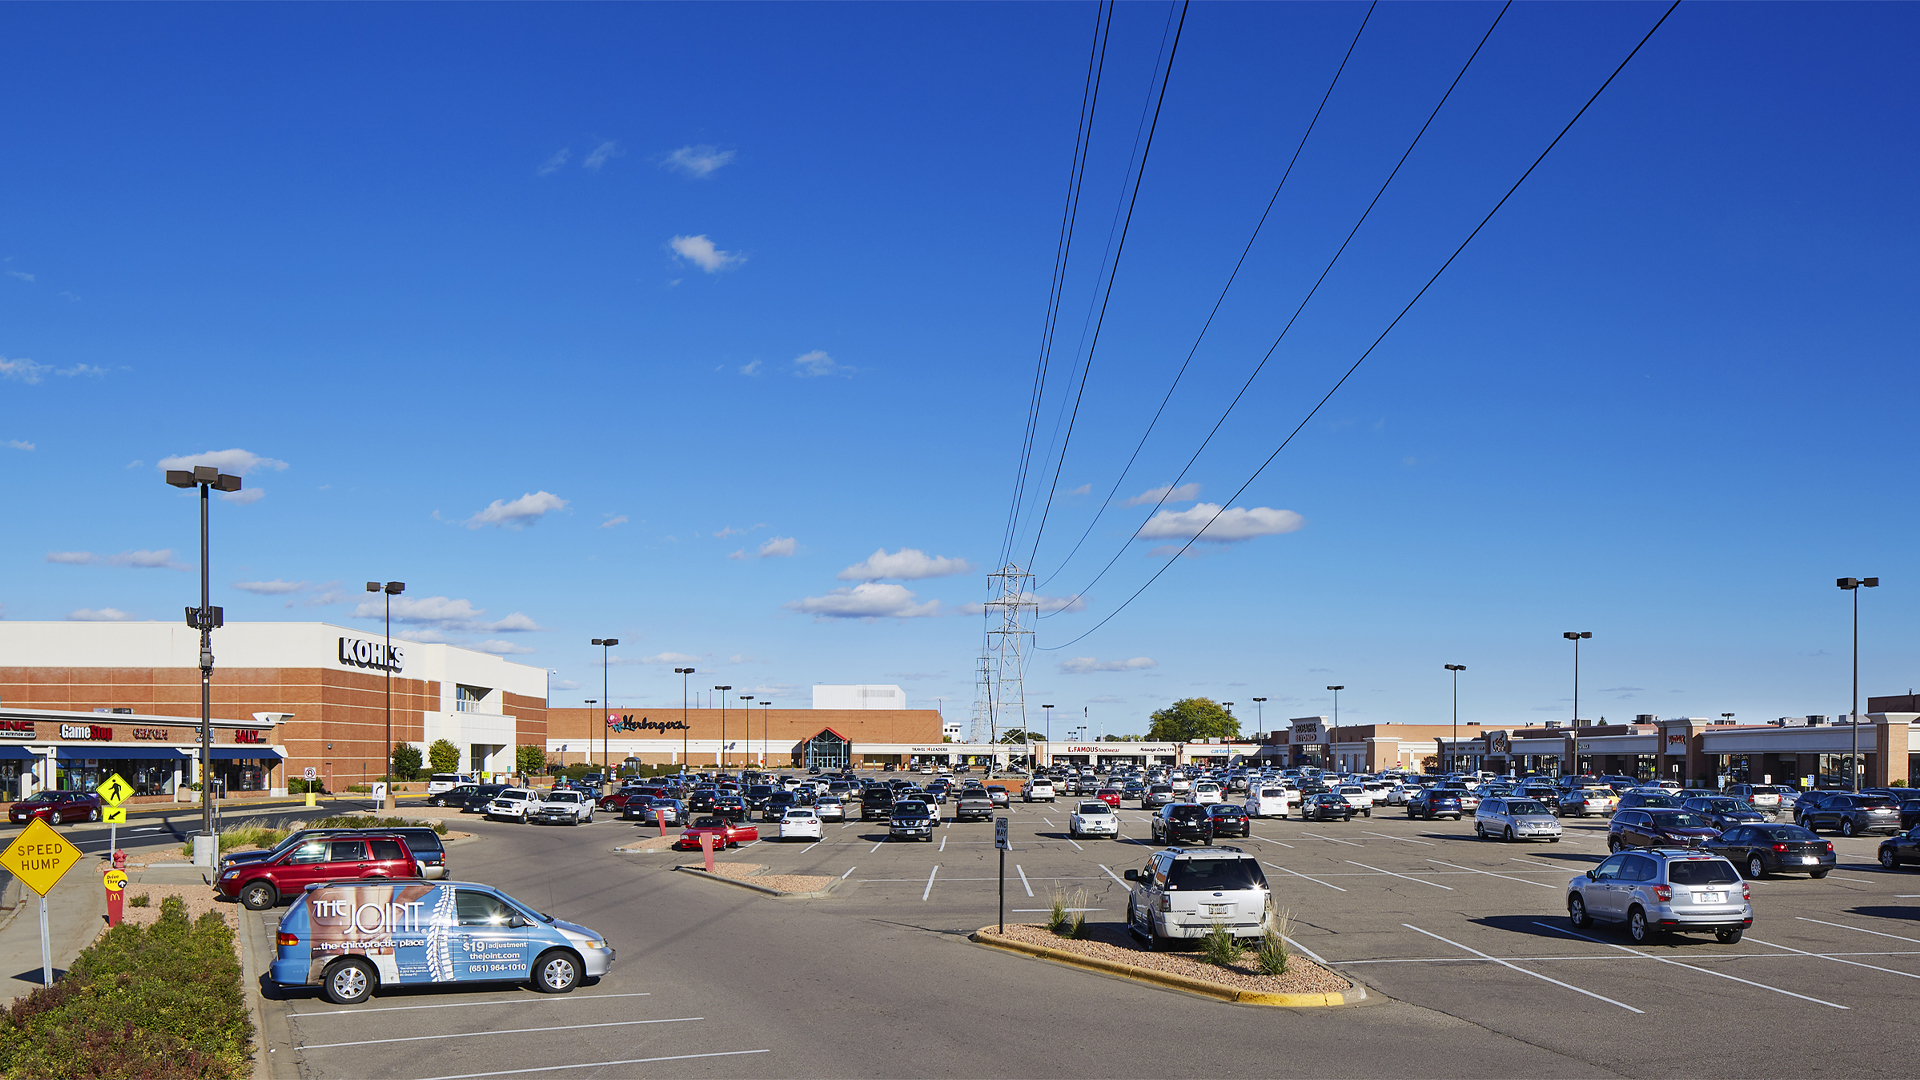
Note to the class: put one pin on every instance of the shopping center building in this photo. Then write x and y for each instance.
(82, 700)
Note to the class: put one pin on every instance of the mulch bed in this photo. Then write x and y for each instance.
(1112, 942)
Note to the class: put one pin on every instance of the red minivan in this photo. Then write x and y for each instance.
(262, 885)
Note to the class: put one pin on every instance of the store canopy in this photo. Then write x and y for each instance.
(242, 753)
(114, 752)
(17, 753)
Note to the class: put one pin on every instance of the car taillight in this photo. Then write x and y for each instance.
(1829, 847)
(1663, 892)
(1166, 902)
(1779, 847)
(283, 938)
(1746, 891)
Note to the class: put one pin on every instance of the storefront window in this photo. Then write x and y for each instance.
(149, 776)
(245, 774)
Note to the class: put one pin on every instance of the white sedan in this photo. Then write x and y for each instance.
(1093, 818)
(800, 823)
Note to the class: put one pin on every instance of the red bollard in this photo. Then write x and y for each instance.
(661, 817)
(706, 849)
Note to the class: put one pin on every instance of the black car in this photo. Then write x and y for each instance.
(1910, 813)
(1641, 800)
(1899, 850)
(1327, 806)
(1850, 814)
(482, 795)
(731, 807)
(456, 795)
(1759, 850)
(1658, 827)
(1430, 803)
(876, 803)
(702, 800)
(1724, 811)
(1180, 823)
(1230, 820)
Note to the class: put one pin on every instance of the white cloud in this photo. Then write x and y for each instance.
(82, 369)
(427, 636)
(1083, 489)
(443, 613)
(276, 587)
(677, 659)
(148, 560)
(563, 684)
(21, 444)
(600, 155)
(750, 368)
(1232, 525)
(72, 558)
(778, 547)
(866, 601)
(618, 519)
(817, 363)
(105, 614)
(519, 513)
(555, 163)
(698, 161)
(738, 556)
(907, 564)
(1183, 493)
(26, 371)
(702, 253)
(236, 461)
(1087, 665)
(244, 496)
(21, 274)
(503, 648)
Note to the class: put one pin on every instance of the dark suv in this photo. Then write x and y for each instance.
(1230, 820)
(1432, 803)
(1183, 823)
(1852, 814)
(1658, 827)
(876, 803)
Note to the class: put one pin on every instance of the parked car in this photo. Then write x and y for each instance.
(1109, 795)
(1762, 797)
(911, 819)
(511, 804)
(725, 833)
(261, 885)
(440, 783)
(1649, 799)
(456, 795)
(1759, 850)
(1587, 801)
(829, 808)
(800, 822)
(1909, 813)
(1432, 803)
(1663, 890)
(56, 807)
(1852, 814)
(997, 794)
(1516, 818)
(1327, 806)
(1182, 823)
(1184, 894)
(1229, 820)
(293, 840)
(643, 809)
(973, 804)
(1901, 849)
(561, 808)
(1269, 800)
(1658, 827)
(731, 807)
(1094, 817)
(1724, 811)
(427, 934)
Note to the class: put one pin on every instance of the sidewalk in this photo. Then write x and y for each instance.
(76, 913)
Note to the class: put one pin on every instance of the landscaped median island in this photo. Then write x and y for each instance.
(1109, 948)
(159, 1000)
(751, 874)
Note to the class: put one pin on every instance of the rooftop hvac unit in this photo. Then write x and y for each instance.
(1815, 720)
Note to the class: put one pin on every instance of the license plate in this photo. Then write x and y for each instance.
(1809, 859)
(1219, 909)
(1709, 898)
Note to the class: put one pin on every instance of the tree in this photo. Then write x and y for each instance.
(529, 760)
(406, 761)
(442, 755)
(1191, 720)
(1016, 735)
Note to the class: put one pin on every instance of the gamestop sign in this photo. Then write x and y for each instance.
(371, 654)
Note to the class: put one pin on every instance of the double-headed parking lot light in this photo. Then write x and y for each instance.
(1853, 585)
(1452, 746)
(606, 720)
(205, 619)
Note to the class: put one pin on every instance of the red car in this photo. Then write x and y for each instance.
(725, 834)
(1109, 795)
(259, 886)
(56, 807)
(616, 801)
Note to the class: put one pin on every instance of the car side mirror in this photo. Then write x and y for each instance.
(1132, 875)
(516, 922)
(1592, 876)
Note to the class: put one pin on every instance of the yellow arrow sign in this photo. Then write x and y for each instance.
(114, 815)
(39, 857)
(114, 790)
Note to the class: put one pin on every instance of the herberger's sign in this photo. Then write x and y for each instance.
(16, 729)
(628, 723)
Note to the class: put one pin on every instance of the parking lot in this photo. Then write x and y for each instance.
(1464, 946)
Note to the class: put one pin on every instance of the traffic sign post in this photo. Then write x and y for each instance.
(40, 857)
(113, 791)
(1000, 841)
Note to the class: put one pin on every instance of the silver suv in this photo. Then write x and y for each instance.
(1514, 817)
(1658, 890)
(1184, 892)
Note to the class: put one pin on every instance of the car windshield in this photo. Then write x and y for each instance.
(910, 808)
(1186, 812)
(1651, 799)
(1095, 808)
(1526, 806)
(1681, 819)
(1215, 875)
(1701, 872)
(708, 823)
(799, 815)
(1720, 806)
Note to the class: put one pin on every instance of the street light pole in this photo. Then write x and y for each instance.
(766, 730)
(1047, 711)
(1853, 585)
(590, 703)
(683, 672)
(389, 591)
(748, 709)
(606, 742)
(1456, 669)
(723, 726)
(1334, 737)
(1575, 638)
(204, 619)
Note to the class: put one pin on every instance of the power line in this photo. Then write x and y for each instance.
(1304, 300)
(1311, 124)
(1383, 334)
(1139, 175)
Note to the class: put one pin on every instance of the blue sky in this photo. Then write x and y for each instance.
(713, 328)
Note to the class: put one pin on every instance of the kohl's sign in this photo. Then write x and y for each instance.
(371, 654)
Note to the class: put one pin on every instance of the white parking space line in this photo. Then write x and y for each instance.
(1317, 836)
(1524, 971)
(521, 1000)
(1264, 840)
(1489, 873)
(1116, 877)
(1402, 877)
(811, 846)
(849, 872)
(1023, 879)
(1049, 822)
(1689, 967)
(1862, 929)
(1835, 959)
(1315, 880)
(876, 845)
(1314, 956)
(928, 891)
(498, 1031)
(597, 1064)
(1536, 862)
(1402, 839)
(1076, 847)
(943, 841)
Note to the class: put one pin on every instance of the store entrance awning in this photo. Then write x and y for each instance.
(242, 753)
(17, 753)
(113, 752)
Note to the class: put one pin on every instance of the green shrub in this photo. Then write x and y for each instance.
(405, 762)
(238, 836)
(139, 901)
(163, 1000)
(368, 821)
(1896, 783)
(297, 786)
(1057, 913)
(1220, 948)
(1273, 955)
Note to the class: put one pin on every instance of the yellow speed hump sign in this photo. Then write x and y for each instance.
(114, 790)
(40, 857)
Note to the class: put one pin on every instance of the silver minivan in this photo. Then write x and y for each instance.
(1512, 817)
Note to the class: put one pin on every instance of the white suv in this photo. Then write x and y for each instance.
(1038, 791)
(1184, 893)
(1269, 800)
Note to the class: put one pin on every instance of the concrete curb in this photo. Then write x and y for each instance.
(816, 894)
(1218, 991)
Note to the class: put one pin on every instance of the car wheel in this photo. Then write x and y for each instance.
(258, 896)
(1846, 826)
(1508, 834)
(1409, 813)
(556, 972)
(1817, 874)
(1368, 811)
(1613, 844)
(1577, 912)
(55, 818)
(93, 813)
(1637, 927)
(1888, 859)
(1478, 832)
(349, 981)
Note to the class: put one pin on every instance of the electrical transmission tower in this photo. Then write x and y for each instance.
(982, 703)
(1008, 705)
